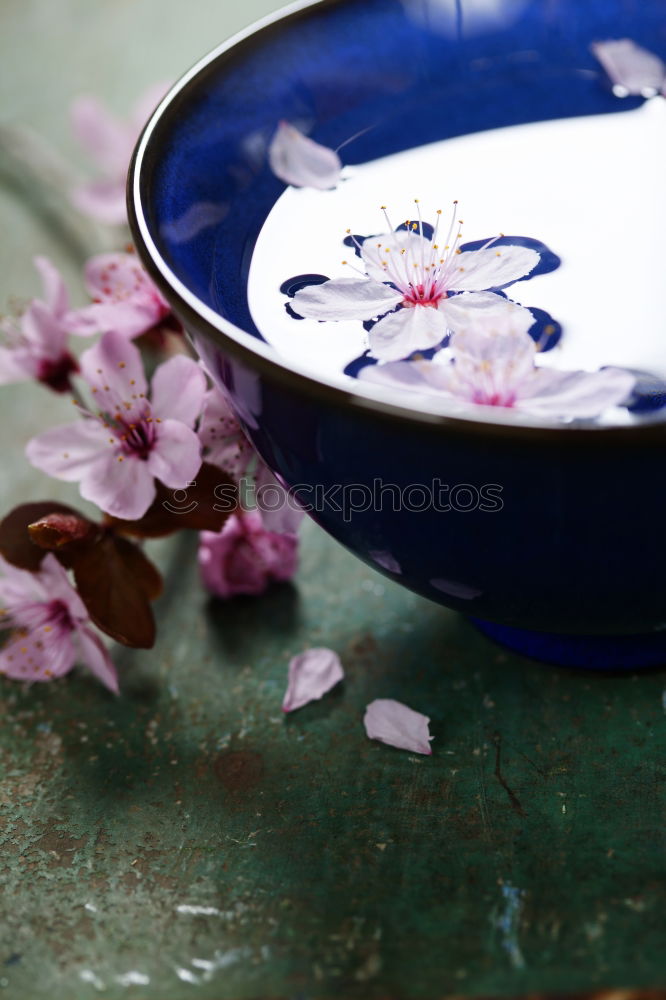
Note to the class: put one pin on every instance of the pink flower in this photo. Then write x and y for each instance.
(116, 454)
(398, 725)
(36, 346)
(280, 510)
(496, 368)
(301, 161)
(50, 629)
(110, 143)
(311, 675)
(125, 299)
(244, 558)
(421, 276)
(226, 446)
(224, 443)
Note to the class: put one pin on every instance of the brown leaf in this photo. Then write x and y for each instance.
(203, 506)
(15, 543)
(116, 582)
(57, 531)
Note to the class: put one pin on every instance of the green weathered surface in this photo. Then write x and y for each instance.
(188, 840)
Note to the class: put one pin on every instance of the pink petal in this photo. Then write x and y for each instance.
(104, 200)
(19, 586)
(574, 394)
(476, 270)
(300, 161)
(108, 140)
(392, 722)
(93, 653)
(386, 561)
(16, 365)
(110, 276)
(55, 292)
(123, 489)
(453, 588)
(114, 371)
(175, 458)
(396, 375)
(53, 578)
(399, 334)
(345, 298)
(509, 354)
(67, 452)
(178, 389)
(630, 68)
(43, 331)
(130, 319)
(41, 655)
(231, 454)
(311, 675)
(222, 437)
(280, 511)
(485, 312)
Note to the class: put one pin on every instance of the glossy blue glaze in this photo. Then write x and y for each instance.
(577, 544)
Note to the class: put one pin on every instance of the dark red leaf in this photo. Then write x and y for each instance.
(15, 543)
(116, 583)
(203, 506)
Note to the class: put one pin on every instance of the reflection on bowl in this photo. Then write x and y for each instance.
(553, 532)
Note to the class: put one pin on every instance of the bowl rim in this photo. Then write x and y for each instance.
(262, 357)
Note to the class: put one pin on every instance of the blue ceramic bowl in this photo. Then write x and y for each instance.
(565, 561)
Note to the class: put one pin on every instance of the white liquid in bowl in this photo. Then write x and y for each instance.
(592, 189)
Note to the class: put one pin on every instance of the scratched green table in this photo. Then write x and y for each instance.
(188, 840)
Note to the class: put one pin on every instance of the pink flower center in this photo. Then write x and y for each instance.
(424, 270)
(59, 616)
(56, 374)
(137, 438)
(423, 295)
(494, 398)
(51, 615)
